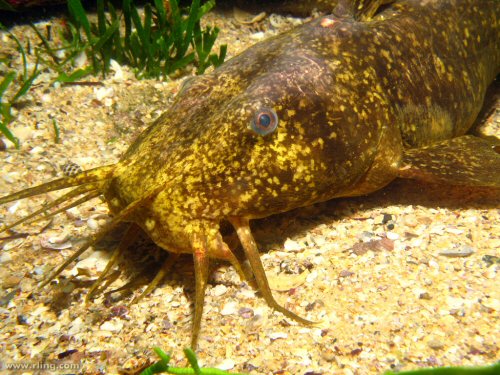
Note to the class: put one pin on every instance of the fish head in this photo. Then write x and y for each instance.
(268, 131)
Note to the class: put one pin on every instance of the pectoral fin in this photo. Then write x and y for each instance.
(465, 160)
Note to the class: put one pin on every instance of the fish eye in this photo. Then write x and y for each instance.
(264, 122)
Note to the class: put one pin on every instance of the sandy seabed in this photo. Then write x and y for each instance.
(400, 279)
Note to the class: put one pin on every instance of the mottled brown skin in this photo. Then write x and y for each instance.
(357, 103)
(349, 97)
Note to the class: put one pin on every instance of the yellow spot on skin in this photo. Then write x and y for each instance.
(150, 224)
(386, 54)
(333, 135)
(246, 197)
(301, 130)
(440, 67)
(318, 142)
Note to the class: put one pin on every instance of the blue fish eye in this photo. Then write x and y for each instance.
(265, 121)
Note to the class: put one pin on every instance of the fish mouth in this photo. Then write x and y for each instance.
(205, 242)
(203, 237)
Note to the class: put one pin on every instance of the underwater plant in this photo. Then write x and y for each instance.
(162, 365)
(155, 45)
(15, 83)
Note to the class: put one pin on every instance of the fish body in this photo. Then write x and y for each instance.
(337, 107)
(349, 97)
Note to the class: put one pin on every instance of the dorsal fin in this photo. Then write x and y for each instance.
(360, 10)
